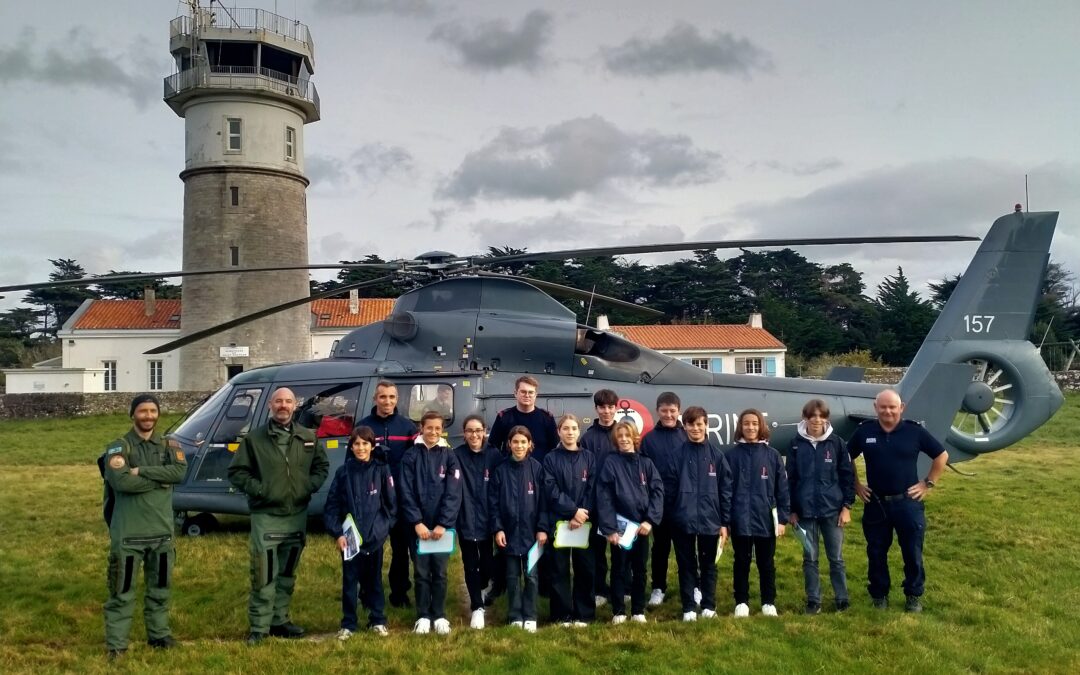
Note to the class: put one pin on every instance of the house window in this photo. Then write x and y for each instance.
(290, 144)
(234, 195)
(156, 379)
(110, 375)
(700, 363)
(753, 366)
(234, 134)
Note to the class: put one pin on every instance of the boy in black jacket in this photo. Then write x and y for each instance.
(478, 460)
(364, 488)
(629, 486)
(515, 505)
(430, 500)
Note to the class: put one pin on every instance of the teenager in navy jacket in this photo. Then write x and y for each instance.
(628, 486)
(516, 507)
(759, 484)
(662, 445)
(478, 460)
(597, 440)
(569, 482)
(822, 485)
(430, 501)
(700, 514)
(364, 488)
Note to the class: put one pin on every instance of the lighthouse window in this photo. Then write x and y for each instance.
(234, 195)
(234, 127)
(290, 144)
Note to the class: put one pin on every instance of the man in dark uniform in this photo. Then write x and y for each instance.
(278, 466)
(140, 469)
(893, 494)
(396, 433)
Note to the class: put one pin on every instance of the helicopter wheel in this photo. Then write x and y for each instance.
(198, 525)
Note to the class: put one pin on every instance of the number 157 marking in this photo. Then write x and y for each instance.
(978, 323)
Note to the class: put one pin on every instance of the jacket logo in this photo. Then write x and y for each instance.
(871, 440)
(712, 470)
(487, 475)
(309, 445)
(828, 456)
(642, 474)
(584, 475)
(372, 490)
(457, 474)
(764, 473)
(530, 491)
(442, 472)
(390, 481)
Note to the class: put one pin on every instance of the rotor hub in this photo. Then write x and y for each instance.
(979, 398)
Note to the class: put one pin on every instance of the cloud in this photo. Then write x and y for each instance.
(369, 165)
(683, 49)
(579, 155)
(78, 61)
(369, 7)
(495, 45)
(799, 168)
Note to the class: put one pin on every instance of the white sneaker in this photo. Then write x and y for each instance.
(344, 634)
(689, 616)
(708, 614)
(618, 618)
(565, 624)
(656, 598)
(380, 630)
(529, 626)
(697, 596)
(477, 621)
(580, 624)
(442, 626)
(601, 601)
(639, 618)
(422, 626)
(742, 609)
(768, 610)
(517, 624)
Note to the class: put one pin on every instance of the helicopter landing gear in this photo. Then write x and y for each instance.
(198, 525)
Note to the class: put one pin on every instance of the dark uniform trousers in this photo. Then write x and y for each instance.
(763, 550)
(429, 572)
(629, 564)
(521, 602)
(908, 518)
(477, 559)
(598, 546)
(695, 554)
(156, 555)
(363, 571)
(402, 545)
(580, 605)
(275, 545)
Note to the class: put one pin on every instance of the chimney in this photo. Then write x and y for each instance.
(149, 301)
(755, 320)
(602, 322)
(354, 301)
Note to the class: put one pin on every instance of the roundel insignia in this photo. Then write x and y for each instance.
(116, 462)
(635, 412)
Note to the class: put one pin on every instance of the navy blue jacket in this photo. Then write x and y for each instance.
(662, 446)
(759, 483)
(629, 485)
(539, 422)
(516, 503)
(702, 504)
(366, 490)
(430, 486)
(569, 484)
(597, 440)
(820, 478)
(395, 434)
(476, 470)
(892, 457)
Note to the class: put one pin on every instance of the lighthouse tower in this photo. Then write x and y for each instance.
(243, 87)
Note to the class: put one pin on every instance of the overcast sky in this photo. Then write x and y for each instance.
(560, 124)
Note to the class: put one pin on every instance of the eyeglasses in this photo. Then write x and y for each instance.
(474, 431)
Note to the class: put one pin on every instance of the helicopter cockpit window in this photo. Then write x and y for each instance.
(611, 348)
(437, 397)
(329, 409)
(197, 425)
(238, 416)
(521, 298)
(449, 296)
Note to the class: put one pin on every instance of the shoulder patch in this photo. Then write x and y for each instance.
(180, 455)
(115, 450)
(116, 462)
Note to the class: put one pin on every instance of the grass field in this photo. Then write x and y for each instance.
(1003, 589)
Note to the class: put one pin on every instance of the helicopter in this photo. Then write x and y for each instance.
(459, 343)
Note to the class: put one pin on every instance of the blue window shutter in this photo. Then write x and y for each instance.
(770, 366)
(716, 365)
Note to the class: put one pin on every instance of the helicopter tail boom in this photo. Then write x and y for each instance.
(986, 323)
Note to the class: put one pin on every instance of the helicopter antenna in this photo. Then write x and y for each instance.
(588, 311)
(1027, 205)
(1045, 333)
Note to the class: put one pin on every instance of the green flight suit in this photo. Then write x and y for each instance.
(141, 533)
(278, 469)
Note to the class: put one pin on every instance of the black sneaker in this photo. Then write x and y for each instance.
(287, 630)
(255, 638)
(913, 604)
(115, 654)
(880, 603)
(167, 642)
(813, 608)
(842, 605)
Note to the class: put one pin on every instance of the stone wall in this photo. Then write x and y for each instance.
(34, 406)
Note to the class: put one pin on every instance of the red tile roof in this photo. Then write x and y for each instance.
(712, 336)
(128, 314)
(336, 311)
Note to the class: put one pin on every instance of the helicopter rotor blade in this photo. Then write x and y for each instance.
(579, 294)
(221, 327)
(710, 245)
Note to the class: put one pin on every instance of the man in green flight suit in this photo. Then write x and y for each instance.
(141, 469)
(278, 466)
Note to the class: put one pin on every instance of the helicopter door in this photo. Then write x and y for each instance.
(232, 426)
